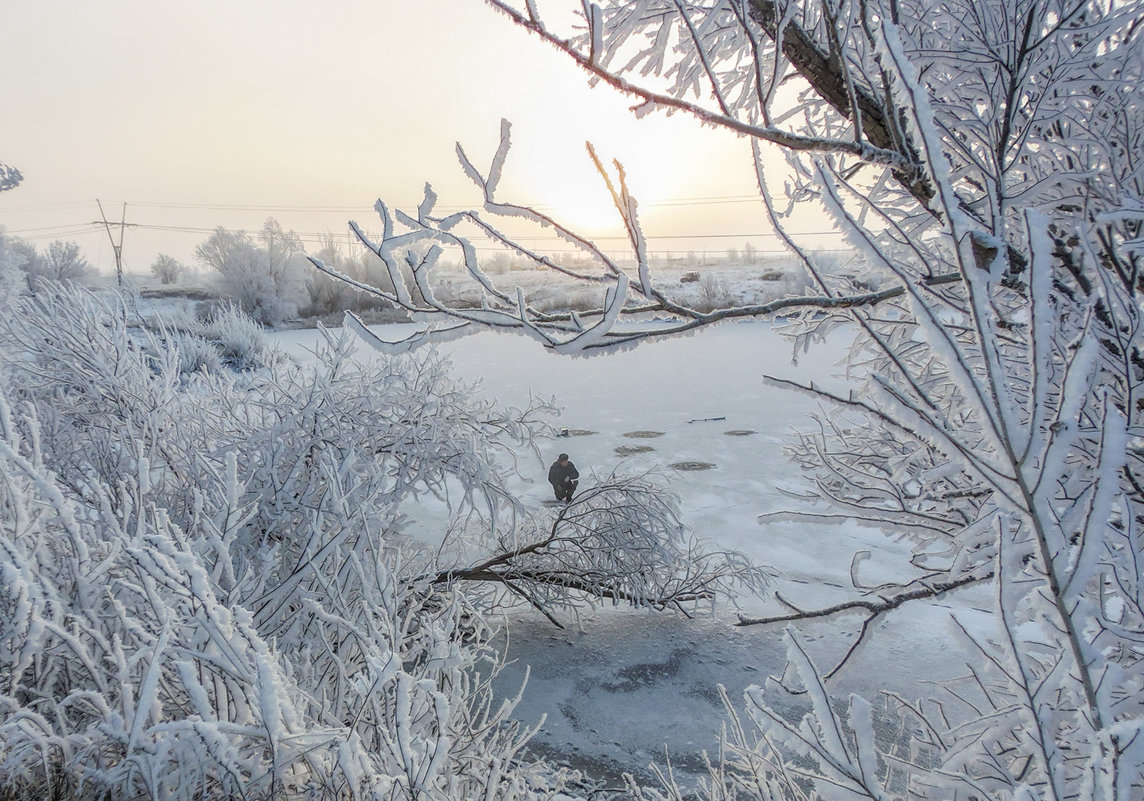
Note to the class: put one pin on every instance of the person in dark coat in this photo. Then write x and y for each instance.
(564, 478)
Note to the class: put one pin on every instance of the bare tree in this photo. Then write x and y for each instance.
(958, 145)
(168, 269)
(62, 263)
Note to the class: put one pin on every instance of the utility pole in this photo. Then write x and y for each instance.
(117, 248)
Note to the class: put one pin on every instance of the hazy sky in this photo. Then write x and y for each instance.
(220, 112)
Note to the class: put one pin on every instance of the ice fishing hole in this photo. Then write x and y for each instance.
(632, 450)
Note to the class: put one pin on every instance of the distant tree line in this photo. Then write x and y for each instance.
(266, 274)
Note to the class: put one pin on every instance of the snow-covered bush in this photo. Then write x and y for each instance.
(329, 295)
(178, 628)
(206, 589)
(10, 177)
(239, 340)
(134, 667)
(265, 276)
(197, 354)
(713, 293)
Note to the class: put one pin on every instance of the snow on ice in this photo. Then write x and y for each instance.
(625, 688)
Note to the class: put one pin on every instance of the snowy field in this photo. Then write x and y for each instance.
(621, 688)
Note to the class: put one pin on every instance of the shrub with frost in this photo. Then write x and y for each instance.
(202, 585)
(197, 354)
(265, 275)
(240, 341)
(206, 586)
(10, 177)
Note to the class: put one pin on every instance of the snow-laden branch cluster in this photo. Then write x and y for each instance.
(1011, 461)
(205, 585)
(984, 160)
(10, 177)
(199, 577)
(620, 541)
(1004, 82)
(997, 419)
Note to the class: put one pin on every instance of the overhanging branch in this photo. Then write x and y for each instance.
(872, 609)
(883, 605)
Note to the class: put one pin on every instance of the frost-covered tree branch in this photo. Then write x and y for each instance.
(754, 48)
(997, 338)
(593, 331)
(887, 601)
(619, 541)
(10, 177)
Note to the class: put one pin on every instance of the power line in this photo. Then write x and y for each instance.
(539, 242)
(57, 232)
(348, 208)
(40, 228)
(320, 235)
(249, 207)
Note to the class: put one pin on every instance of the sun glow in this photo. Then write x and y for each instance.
(577, 197)
(570, 189)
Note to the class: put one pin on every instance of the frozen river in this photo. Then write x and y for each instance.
(622, 685)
